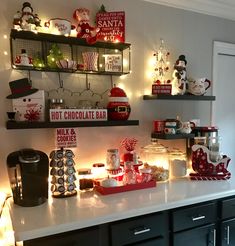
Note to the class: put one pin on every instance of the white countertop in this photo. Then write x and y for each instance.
(90, 208)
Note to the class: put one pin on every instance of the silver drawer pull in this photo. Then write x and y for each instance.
(214, 233)
(137, 232)
(200, 217)
(227, 238)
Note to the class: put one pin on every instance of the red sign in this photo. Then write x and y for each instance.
(66, 138)
(112, 26)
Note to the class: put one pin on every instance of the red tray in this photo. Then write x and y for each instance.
(112, 190)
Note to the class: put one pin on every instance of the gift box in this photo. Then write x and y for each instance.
(31, 107)
(161, 89)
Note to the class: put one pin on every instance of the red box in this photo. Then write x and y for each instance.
(161, 89)
(112, 190)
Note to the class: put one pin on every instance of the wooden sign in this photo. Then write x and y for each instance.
(66, 138)
(112, 26)
(78, 114)
(113, 63)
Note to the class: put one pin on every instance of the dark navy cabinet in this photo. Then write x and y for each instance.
(210, 223)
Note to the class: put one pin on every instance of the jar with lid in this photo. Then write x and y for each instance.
(155, 156)
(178, 163)
(57, 103)
(129, 176)
(112, 159)
(99, 171)
(85, 179)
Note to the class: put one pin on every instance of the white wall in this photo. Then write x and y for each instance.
(184, 32)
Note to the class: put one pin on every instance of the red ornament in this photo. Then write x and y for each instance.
(118, 106)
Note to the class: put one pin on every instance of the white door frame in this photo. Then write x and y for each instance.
(219, 49)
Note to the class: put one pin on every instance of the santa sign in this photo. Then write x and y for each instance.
(112, 26)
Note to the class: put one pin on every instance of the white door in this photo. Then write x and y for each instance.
(223, 108)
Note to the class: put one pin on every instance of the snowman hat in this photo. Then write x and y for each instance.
(117, 95)
(20, 88)
(181, 58)
(25, 5)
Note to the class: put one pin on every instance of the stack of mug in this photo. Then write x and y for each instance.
(174, 126)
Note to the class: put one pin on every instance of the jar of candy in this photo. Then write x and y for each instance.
(155, 156)
(178, 163)
(85, 179)
(129, 176)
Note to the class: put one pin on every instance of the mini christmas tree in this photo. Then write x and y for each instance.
(54, 56)
(38, 62)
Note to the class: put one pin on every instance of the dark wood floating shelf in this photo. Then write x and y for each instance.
(172, 136)
(46, 69)
(65, 40)
(34, 125)
(178, 97)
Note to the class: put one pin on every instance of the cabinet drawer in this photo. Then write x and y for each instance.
(139, 229)
(200, 236)
(190, 217)
(152, 242)
(74, 238)
(228, 208)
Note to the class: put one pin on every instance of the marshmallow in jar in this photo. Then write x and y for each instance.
(178, 164)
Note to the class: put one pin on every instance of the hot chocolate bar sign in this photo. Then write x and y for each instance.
(78, 114)
(112, 26)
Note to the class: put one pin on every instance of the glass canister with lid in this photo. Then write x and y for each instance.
(85, 179)
(155, 156)
(57, 103)
(178, 163)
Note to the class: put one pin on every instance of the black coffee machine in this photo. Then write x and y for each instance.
(28, 172)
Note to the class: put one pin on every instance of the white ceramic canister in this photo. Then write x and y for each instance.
(112, 159)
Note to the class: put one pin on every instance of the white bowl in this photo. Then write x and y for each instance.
(67, 64)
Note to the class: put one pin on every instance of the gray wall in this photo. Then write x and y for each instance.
(184, 32)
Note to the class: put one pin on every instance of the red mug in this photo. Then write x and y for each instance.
(158, 126)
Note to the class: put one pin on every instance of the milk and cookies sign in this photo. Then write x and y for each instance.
(112, 26)
(66, 138)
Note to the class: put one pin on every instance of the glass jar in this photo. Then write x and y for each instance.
(57, 103)
(85, 179)
(99, 171)
(112, 159)
(129, 176)
(214, 144)
(155, 156)
(178, 163)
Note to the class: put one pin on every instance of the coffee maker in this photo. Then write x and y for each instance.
(28, 171)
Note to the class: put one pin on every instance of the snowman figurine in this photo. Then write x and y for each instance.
(27, 17)
(179, 82)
